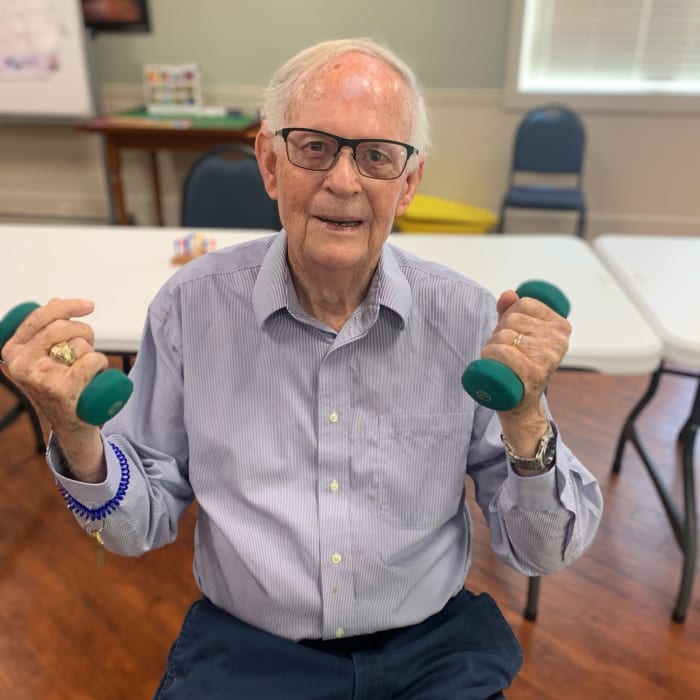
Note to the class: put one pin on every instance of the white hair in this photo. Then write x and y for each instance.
(281, 89)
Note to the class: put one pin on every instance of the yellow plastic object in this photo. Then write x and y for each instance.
(438, 215)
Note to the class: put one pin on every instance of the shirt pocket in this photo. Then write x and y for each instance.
(422, 465)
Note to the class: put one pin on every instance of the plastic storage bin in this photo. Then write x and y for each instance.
(428, 214)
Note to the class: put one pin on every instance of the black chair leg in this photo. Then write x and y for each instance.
(581, 229)
(21, 406)
(502, 220)
(533, 594)
(127, 362)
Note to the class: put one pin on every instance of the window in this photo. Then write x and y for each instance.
(609, 53)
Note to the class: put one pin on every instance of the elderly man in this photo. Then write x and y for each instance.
(304, 389)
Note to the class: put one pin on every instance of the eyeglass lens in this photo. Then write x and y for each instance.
(317, 151)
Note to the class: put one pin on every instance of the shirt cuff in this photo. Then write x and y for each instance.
(89, 494)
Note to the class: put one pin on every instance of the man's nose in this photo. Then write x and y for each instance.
(344, 173)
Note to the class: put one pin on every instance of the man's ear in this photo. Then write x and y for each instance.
(267, 160)
(410, 186)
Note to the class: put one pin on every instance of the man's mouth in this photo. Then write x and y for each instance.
(341, 223)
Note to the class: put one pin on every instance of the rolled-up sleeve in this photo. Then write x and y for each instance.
(147, 488)
(538, 524)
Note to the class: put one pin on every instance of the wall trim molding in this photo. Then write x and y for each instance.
(118, 96)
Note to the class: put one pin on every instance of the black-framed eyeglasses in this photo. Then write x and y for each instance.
(381, 159)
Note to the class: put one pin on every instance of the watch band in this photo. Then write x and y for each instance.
(544, 458)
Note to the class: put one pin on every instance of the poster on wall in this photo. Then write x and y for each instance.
(44, 66)
(30, 37)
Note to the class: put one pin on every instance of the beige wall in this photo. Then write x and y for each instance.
(449, 43)
(641, 170)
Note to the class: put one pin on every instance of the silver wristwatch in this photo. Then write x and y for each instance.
(544, 457)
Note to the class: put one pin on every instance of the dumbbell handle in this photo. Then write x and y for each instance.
(107, 391)
(493, 384)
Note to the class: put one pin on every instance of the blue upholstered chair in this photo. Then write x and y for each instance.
(549, 144)
(224, 189)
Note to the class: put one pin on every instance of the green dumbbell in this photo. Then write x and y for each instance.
(107, 391)
(492, 383)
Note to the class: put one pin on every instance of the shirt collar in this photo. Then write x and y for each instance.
(389, 287)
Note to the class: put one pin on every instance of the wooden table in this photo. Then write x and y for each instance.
(137, 130)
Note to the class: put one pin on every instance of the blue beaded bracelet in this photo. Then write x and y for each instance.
(91, 514)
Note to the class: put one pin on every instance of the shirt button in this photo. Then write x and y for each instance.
(340, 632)
(334, 486)
(333, 418)
(336, 558)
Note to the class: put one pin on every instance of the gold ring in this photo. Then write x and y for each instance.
(63, 352)
(518, 339)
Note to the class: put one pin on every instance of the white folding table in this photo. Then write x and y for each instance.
(121, 268)
(609, 334)
(661, 274)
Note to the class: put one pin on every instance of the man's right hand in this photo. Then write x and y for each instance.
(54, 387)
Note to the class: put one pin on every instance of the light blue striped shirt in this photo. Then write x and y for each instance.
(328, 467)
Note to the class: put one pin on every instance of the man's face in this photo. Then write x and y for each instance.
(338, 219)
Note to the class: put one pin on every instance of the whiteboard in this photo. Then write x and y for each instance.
(44, 66)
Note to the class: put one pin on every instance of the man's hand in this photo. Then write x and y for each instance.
(531, 339)
(54, 387)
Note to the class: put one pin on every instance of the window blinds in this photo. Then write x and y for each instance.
(611, 46)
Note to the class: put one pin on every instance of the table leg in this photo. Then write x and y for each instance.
(689, 535)
(628, 427)
(115, 180)
(156, 187)
(684, 433)
(683, 524)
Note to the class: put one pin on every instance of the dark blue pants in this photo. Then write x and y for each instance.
(467, 651)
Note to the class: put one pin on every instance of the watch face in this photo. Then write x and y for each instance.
(550, 452)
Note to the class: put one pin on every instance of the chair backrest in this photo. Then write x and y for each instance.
(222, 192)
(549, 139)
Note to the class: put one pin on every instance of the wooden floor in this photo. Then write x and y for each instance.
(72, 631)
